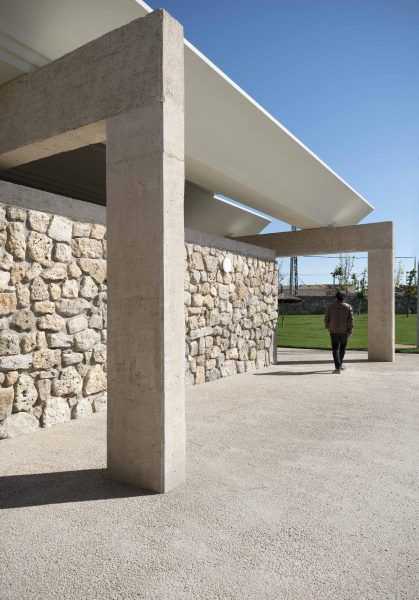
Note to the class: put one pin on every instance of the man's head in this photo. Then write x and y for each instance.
(340, 296)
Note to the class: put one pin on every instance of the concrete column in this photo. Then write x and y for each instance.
(146, 337)
(381, 317)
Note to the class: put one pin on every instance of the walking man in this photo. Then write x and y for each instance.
(339, 321)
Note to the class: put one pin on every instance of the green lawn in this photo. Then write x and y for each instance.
(307, 331)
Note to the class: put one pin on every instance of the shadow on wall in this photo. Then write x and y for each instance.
(17, 491)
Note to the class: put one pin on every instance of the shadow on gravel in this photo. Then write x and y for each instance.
(318, 362)
(294, 373)
(17, 491)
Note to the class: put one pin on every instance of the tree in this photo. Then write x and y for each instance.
(343, 271)
(361, 287)
(398, 274)
(410, 290)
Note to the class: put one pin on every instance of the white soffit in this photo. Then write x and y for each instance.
(211, 214)
(233, 146)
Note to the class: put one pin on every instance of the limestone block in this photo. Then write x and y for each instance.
(57, 272)
(202, 332)
(7, 303)
(26, 393)
(260, 359)
(70, 289)
(41, 340)
(197, 300)
(211, 263)
(46, 358)
(81, 229)
(44, 389)
(200, 375)
(95, 381)
(71, 358)
(6, 261)
(9, 343)
(83, 408)
(10, 378)
(88, 288)
(62, 252)
(87, 248)
(228, 368)
(96, 322)
(60, 229)
(22, 296)
(18, 424)
(23, 320)
(6, 402)
(59, 340)
(39, 290)
(76, 324)
(39, 248)
(56, 410)
(50, 374)
(44, 307)
(17, 273)
(28, 342)
(196, 262)
(99, 353)
(84, 340)
(95, 267)
(16, 241)
(74, 271)
(213, 374)
(69, 383)
(33, 271)
(54, 291)
(71, 307)
(51, 323)
(98, 231)
(38, 221)
(99, 402)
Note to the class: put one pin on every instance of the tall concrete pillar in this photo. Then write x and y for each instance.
(145, 193)
(381, 319)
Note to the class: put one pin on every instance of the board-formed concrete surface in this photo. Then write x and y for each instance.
(301, 485)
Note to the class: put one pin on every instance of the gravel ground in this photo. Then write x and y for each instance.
(301, 484)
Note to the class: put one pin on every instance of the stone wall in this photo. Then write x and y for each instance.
(52, 319)
(230, 316)
(53, 312)
(316, 305)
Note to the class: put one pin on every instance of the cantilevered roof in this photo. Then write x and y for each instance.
(233, 146)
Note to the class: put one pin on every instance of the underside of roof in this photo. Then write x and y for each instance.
(233, 146)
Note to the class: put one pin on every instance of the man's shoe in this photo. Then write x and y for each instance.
(336, 371)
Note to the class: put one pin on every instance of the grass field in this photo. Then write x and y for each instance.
(307, 331)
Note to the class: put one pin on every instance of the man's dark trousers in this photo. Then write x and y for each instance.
(339, 341)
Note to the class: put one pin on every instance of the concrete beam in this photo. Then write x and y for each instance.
(65, 104)
(145, 191)
(323, 240)
(375, 238)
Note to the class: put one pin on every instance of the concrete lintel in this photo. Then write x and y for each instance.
(322, 240)
(193, 236)
(32, 199)
(44, 112)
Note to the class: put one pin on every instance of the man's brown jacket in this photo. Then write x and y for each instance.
(339, 318)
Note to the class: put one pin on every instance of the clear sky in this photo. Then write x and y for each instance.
(343, 76)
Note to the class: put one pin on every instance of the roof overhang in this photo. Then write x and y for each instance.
(233, 146)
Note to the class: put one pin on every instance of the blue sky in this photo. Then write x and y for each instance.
(343, 76)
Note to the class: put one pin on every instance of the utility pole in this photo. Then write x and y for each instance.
(293, 272)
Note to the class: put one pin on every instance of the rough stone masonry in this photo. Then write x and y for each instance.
(53, 317)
